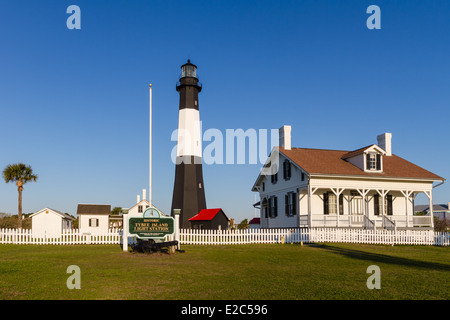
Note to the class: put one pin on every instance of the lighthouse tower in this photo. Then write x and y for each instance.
(188, 190)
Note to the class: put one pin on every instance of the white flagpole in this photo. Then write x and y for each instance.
(150, 151)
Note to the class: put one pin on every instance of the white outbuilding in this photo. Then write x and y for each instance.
(50, 223)
(140, 206)
(93, 218)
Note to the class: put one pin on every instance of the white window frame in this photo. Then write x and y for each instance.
(373, 161)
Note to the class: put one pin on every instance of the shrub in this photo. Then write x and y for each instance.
(10, 222)
(440, 225)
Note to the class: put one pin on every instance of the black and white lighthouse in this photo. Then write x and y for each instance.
(189, 190)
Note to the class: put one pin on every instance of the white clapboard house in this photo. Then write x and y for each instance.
(365, 188)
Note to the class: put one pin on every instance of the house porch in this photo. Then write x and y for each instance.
(368, 208)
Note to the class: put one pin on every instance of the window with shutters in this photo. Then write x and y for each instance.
(376, 205)
(274, 178)
(378, 208)
(286, 170)
(388, 204)
(93, 222)
(290, 204)
(330, 203)
(273, 207)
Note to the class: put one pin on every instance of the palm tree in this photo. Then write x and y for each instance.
(21, 174)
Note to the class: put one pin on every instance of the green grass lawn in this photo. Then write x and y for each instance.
(253, 272)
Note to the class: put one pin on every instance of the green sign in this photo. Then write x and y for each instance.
(151, 226)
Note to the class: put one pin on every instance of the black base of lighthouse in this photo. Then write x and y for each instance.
(188, 190)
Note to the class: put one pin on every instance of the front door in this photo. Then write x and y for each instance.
(356, 207)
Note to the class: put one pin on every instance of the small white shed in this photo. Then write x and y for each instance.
(93, 218)
(50, 223)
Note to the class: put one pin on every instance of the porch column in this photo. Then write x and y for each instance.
(309, 205)
(338, 193)
(383, 194)
(349, 208)
(407, 195)
(429, 194)
(363, 193)
(310, 194)
(125, 232)
(414, 195)
(298, 207)
(431, 208)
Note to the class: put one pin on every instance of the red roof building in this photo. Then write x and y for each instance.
(210, 219)
(254, 223)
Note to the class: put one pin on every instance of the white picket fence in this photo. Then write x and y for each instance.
(314, 235)
(67, 237)
(228, 237)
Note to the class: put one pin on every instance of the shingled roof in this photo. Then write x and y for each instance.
(332, 162)
(436, 207)
(94, 209)
(207, 214)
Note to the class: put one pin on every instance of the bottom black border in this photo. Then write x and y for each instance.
(223, 309)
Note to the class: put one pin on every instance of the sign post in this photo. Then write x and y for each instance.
(125, 233)
(176, 213)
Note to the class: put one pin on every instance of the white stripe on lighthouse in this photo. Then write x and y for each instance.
(189, 133)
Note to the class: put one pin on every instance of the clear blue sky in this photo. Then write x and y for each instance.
(74, 103)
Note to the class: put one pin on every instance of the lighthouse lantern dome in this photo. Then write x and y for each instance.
(189, 70)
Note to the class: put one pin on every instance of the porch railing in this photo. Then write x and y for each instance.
(422, 221)
(369, 224)
(359, 220)
(388, 223)
(329, 220)
(303, 220)
(356, 220)
(334, 220)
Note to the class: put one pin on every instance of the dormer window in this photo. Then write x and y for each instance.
(373, 161)
(368, 159)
